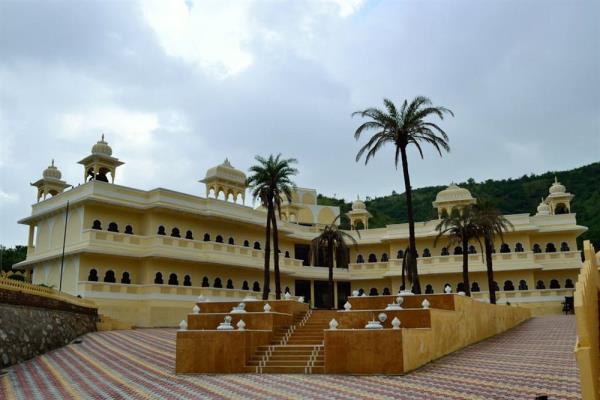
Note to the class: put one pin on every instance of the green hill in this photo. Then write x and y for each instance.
(512, 196)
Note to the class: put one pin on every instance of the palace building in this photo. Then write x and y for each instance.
(143, 256)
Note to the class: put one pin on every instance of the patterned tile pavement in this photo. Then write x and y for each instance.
(536, 358)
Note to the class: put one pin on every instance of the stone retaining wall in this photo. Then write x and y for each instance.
(32, 325)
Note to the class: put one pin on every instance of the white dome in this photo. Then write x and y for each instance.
(453, 193)
(543, 208)
(358, 204)
(52, 172)
(102, 147)
(557, 187)
(227, 172)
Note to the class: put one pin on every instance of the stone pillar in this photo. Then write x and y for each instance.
(335, 294)
(312, 293)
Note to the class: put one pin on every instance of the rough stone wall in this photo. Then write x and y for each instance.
(26, 332)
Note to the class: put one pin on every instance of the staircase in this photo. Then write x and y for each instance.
(297, 350)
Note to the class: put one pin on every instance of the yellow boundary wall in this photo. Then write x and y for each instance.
(47, 292)
(587, 349)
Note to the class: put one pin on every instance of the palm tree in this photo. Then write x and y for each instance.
(491, 224)
(270, 181)
(332, 244)
(461, 227)
(404, 127)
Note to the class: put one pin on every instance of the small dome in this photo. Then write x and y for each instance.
(102, 147)
(358, 204)
(52, 172)
(227, 172)
(557, 187)
(453, 193)
(543, 208)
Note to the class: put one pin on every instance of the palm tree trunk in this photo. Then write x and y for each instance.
(490, 270)
(267, 272)
(276, 256)
(465, 257)
(330, 267)
(412, 243)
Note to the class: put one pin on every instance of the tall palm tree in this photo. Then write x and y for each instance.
(270, 181)
(331, 243)
(460, 227)
(491, 224)
(403, 127)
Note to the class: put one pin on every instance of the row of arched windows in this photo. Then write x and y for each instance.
(508, 286)
(112, 227)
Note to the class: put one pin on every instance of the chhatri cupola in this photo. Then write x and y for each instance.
(452, 197)
(359, 215)
(559, 200)
(100, 163)
(51, 183)
(225, 179)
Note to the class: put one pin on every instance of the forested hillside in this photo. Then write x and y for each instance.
(512, 196)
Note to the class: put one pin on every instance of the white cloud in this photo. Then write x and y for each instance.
(8, 198)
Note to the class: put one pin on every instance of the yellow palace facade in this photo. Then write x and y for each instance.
(145, 256)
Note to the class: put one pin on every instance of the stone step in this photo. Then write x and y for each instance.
(284, 370)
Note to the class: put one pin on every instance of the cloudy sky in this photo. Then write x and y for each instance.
(179, 85)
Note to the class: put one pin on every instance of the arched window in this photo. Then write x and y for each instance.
(93, 276)
(218, 283)
(256, 286)
(458, 251)
(537, 248)
(554, 284)
(561, 208)
(426, 252)
(445, 251)
(400, 254)
(231, 241)
(189, 235)
(373, 292)
(246, 243)
(519, 248)
(495, 286)
(219, 239)
(460, 287)
(372, 258)
(125, 278)
(384, 257)
(508, 285)
(206, 237)
(245, 286)
(113, 227)
(256, 245)
(361, 292)
(110, 276)
(386, 291)
(447, 285)
(564, 246)
(358, 225)
(540, 285)
(205, 282)
(287, 254)
(287, 290)
(475, 287)
(175, 232)
(229, 284)
(173, 279)
(569, 284)
(128, 229)
(161, 230)
(550, 248)
(428, 289)
(504, 248)
(472, 249)
(360, 259)
(523, 285)
(158, 279)
(187, 281)
(97, 225)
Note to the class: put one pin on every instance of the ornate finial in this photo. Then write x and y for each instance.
(52, 164)
(357, 197)
(103, 136)
(555, 179)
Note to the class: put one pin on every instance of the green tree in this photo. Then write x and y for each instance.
(11, 256)
(270, 182)
(331, 243)
(491, 224)
(460, 227)
(401, 128)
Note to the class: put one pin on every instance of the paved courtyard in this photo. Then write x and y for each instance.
(533, 359)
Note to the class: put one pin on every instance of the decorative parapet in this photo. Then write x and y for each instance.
(49, 297)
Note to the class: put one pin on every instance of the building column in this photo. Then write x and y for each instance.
(335, 294)
(312, 293)
(30, 240)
